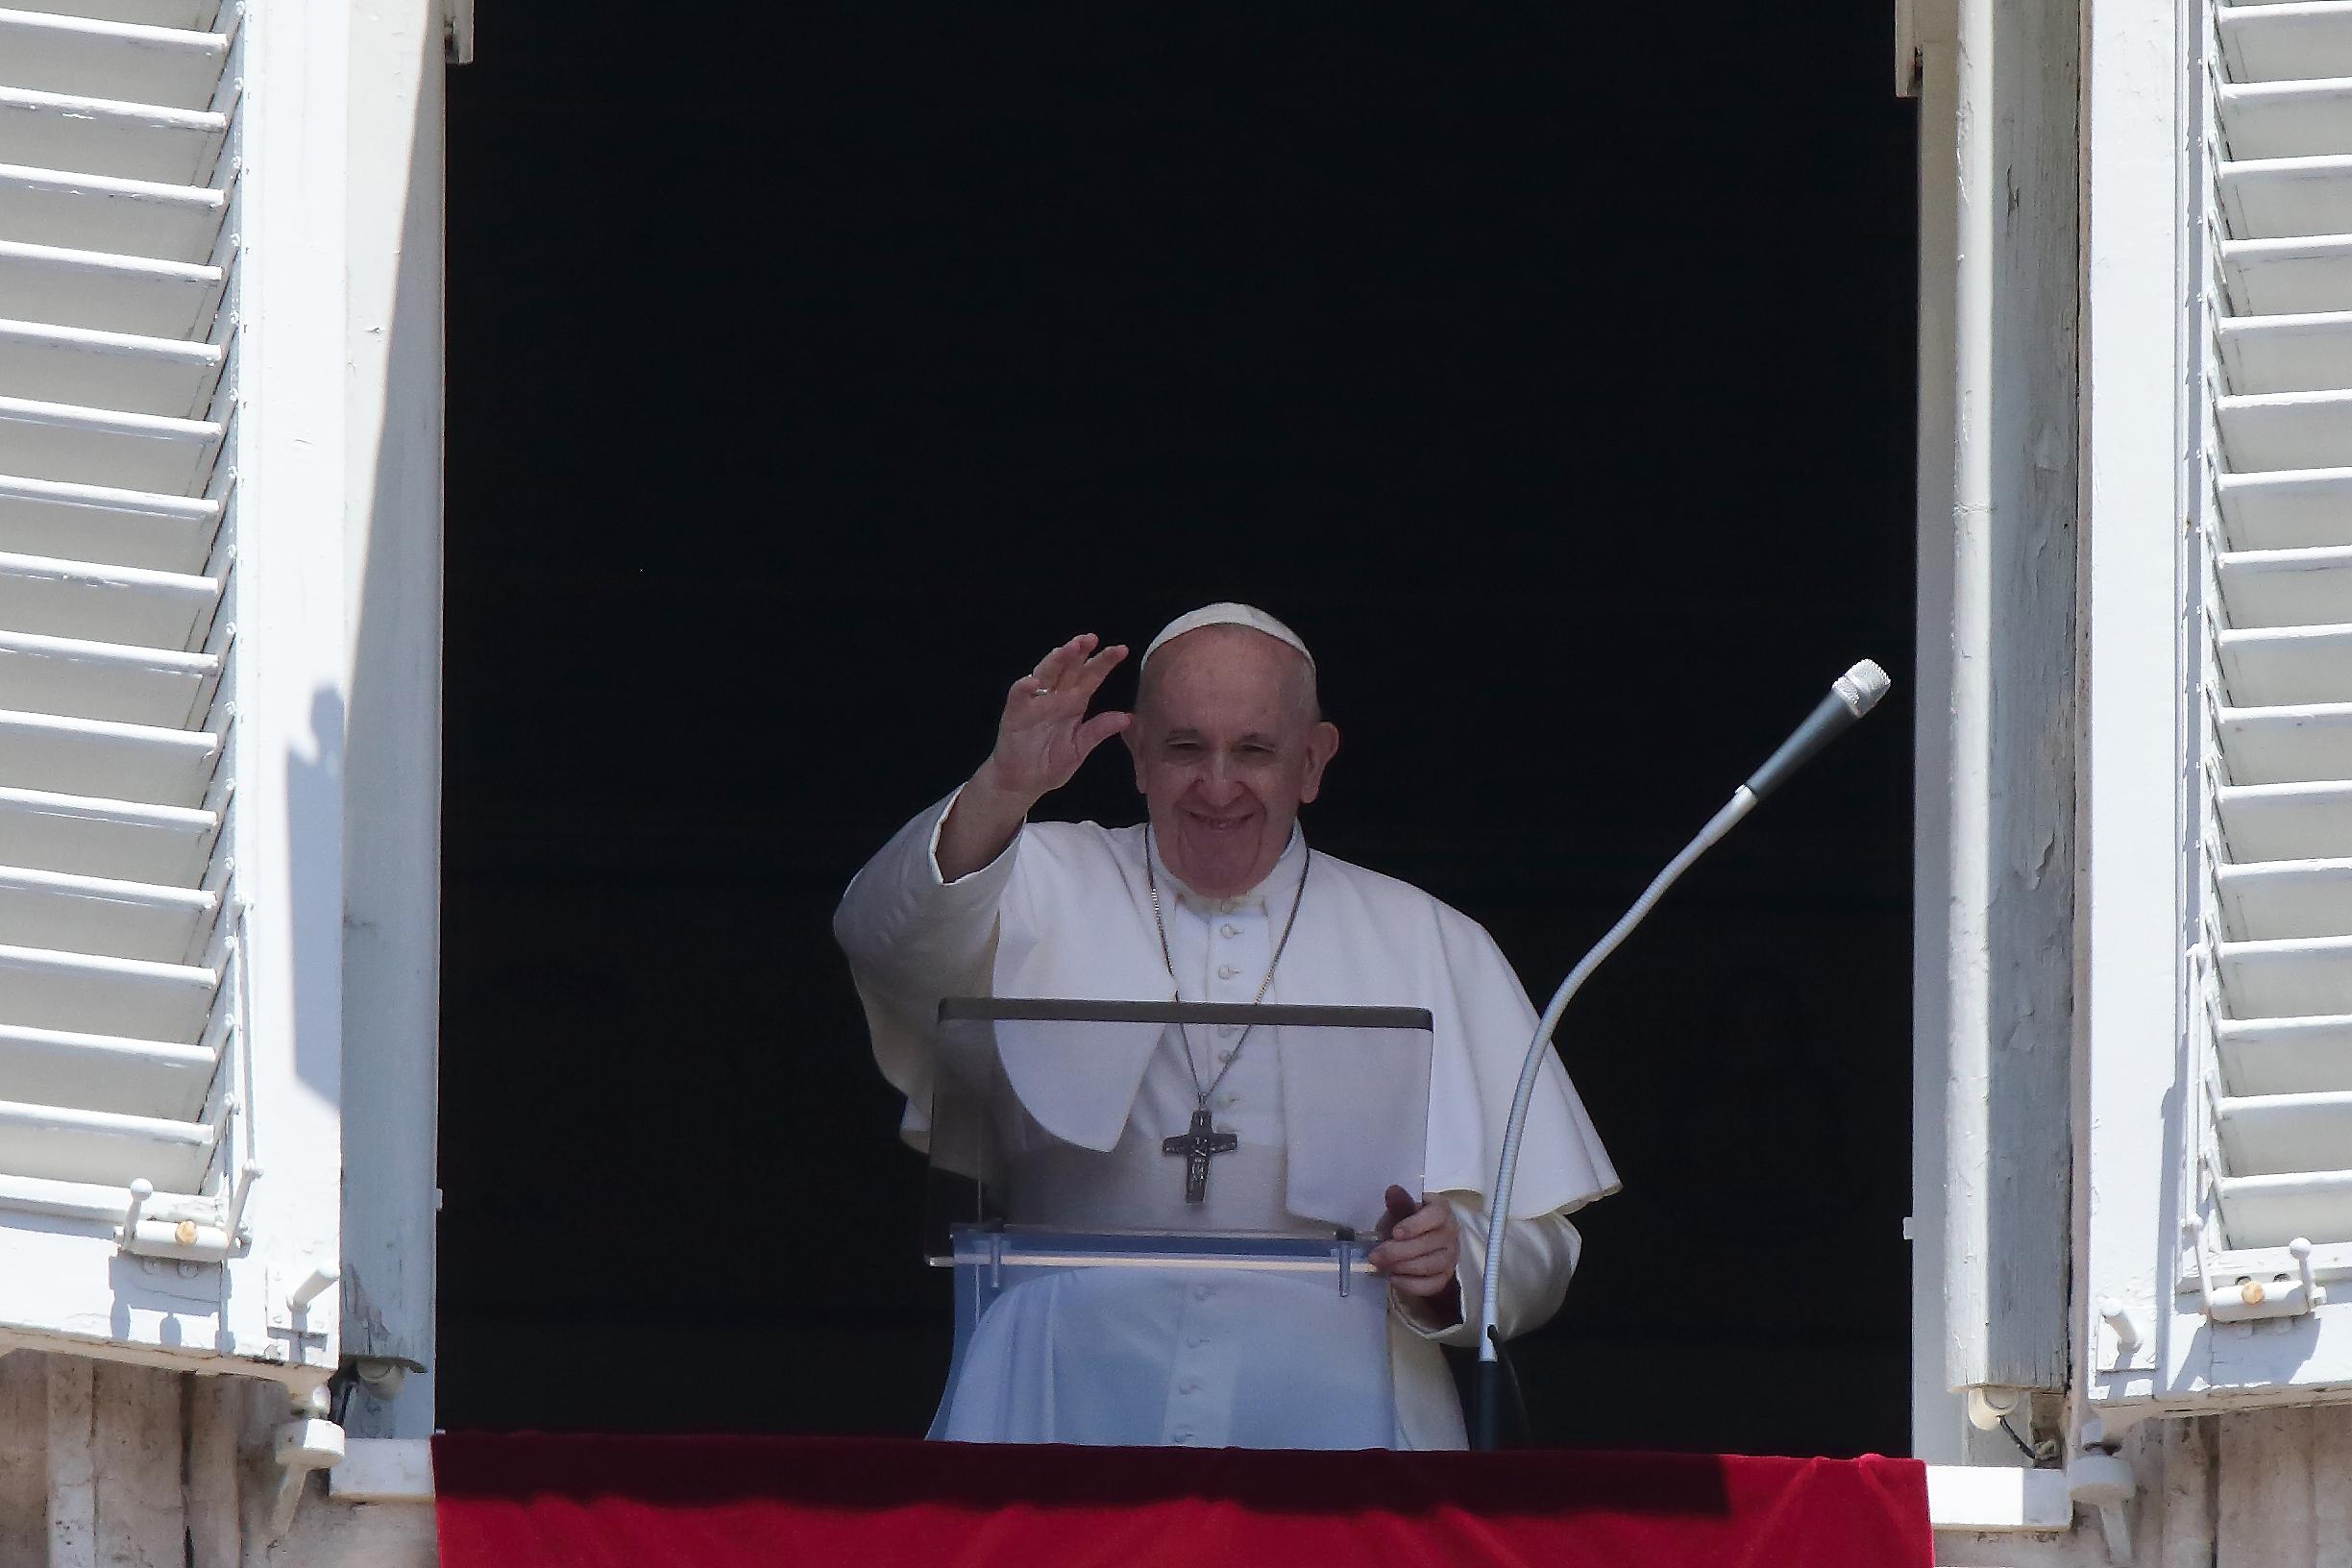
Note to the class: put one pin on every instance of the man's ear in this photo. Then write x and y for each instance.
(1133, 736)
(1322, 745)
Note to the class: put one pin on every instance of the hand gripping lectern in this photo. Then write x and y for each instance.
(1107, 1178)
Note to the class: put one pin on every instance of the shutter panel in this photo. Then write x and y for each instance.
(2271, 689)
(145, 1059)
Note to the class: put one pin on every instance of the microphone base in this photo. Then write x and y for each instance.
(1487, 1418)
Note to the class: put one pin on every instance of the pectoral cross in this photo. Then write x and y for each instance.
(1196, 1145)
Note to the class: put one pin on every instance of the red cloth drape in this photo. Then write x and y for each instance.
(537, 1500)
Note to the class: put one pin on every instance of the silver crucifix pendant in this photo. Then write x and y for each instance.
(1196, 1145)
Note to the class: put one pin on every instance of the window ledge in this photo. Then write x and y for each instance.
(1988, 1499)
(384, 1470)
(1960, 1497)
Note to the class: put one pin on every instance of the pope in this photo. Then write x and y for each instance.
(1217, 897)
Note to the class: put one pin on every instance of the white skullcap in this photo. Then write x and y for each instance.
(1227, 614)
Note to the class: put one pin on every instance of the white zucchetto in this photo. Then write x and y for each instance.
(1227, 614)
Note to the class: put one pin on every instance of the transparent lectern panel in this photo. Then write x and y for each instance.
(1085, 1120)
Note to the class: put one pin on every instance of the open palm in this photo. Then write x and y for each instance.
(1045, 734)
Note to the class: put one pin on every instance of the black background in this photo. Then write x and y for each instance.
(811, 372)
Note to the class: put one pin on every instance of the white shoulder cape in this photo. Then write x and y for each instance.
(1073, 921)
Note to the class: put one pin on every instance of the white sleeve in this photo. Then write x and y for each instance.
(1538, 1257)
(911, 938)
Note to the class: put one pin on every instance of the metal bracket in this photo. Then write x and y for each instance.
(289, 1309)
(2247, 1299)
(307, 1442)
(187, 1240)
(2126, 1333)
(2096, 1478)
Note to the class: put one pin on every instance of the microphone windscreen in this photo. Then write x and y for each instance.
(1863, 686)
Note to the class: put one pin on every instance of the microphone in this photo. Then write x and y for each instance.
(1851, 695)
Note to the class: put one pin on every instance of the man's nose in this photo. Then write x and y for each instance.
(1218, 784)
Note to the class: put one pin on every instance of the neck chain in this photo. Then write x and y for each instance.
(1151, 880)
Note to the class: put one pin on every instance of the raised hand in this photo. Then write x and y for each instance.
(1044, 733)
(1041, 739)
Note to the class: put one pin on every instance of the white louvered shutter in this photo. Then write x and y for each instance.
(169, 837)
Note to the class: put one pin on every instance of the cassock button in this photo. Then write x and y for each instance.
(1202, 1292)
(1225, 971)
(1181, 1437)
(1189, 1385)
(1231, 929)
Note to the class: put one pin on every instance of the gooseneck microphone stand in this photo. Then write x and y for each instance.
(1851, 695)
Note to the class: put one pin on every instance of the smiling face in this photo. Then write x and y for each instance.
(1228, 745)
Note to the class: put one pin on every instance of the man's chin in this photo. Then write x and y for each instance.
(1220, 863)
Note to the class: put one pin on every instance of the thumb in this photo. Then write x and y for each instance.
(1098, 729)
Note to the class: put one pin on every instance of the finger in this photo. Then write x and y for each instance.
(1053, 670)
(1435, 1265)
(1399, 1254)
(1098, 729)
(1090, 675)
(1432, 1216)
(1436, 1285)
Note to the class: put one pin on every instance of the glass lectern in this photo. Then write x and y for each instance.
(1089, 1156)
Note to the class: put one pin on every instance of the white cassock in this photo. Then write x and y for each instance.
(1237, 1358)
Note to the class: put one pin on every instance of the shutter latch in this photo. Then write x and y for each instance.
(2247, 1298)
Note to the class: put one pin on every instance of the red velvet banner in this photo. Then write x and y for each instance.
(539, 1500)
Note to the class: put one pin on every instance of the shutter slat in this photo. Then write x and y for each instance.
(192, 15)
(143, 763)
(2287, 1056)
(2289, 665)
(105, 838)
(110, 604)
(96, 57)
(2287, 119)
(81, 994)
(2274, 588)
(107, 370)
(2298, 509)
(68, 1143)
(105, 680)
(2274, 276)
(2287, 197)
(2286, 429)
(2297, 978)
(107, 1073)
(2277, 1135)
(2278, 899)
(106, 527)
(2286, 822)
(2286, 42)
(69, 288)
(2288, 354)
(2273, 1211)
(96, 135)
(119, 217)
(58, 912)
(2287, 744)
(99, 446)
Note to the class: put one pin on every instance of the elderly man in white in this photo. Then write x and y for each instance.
(1217, 897)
